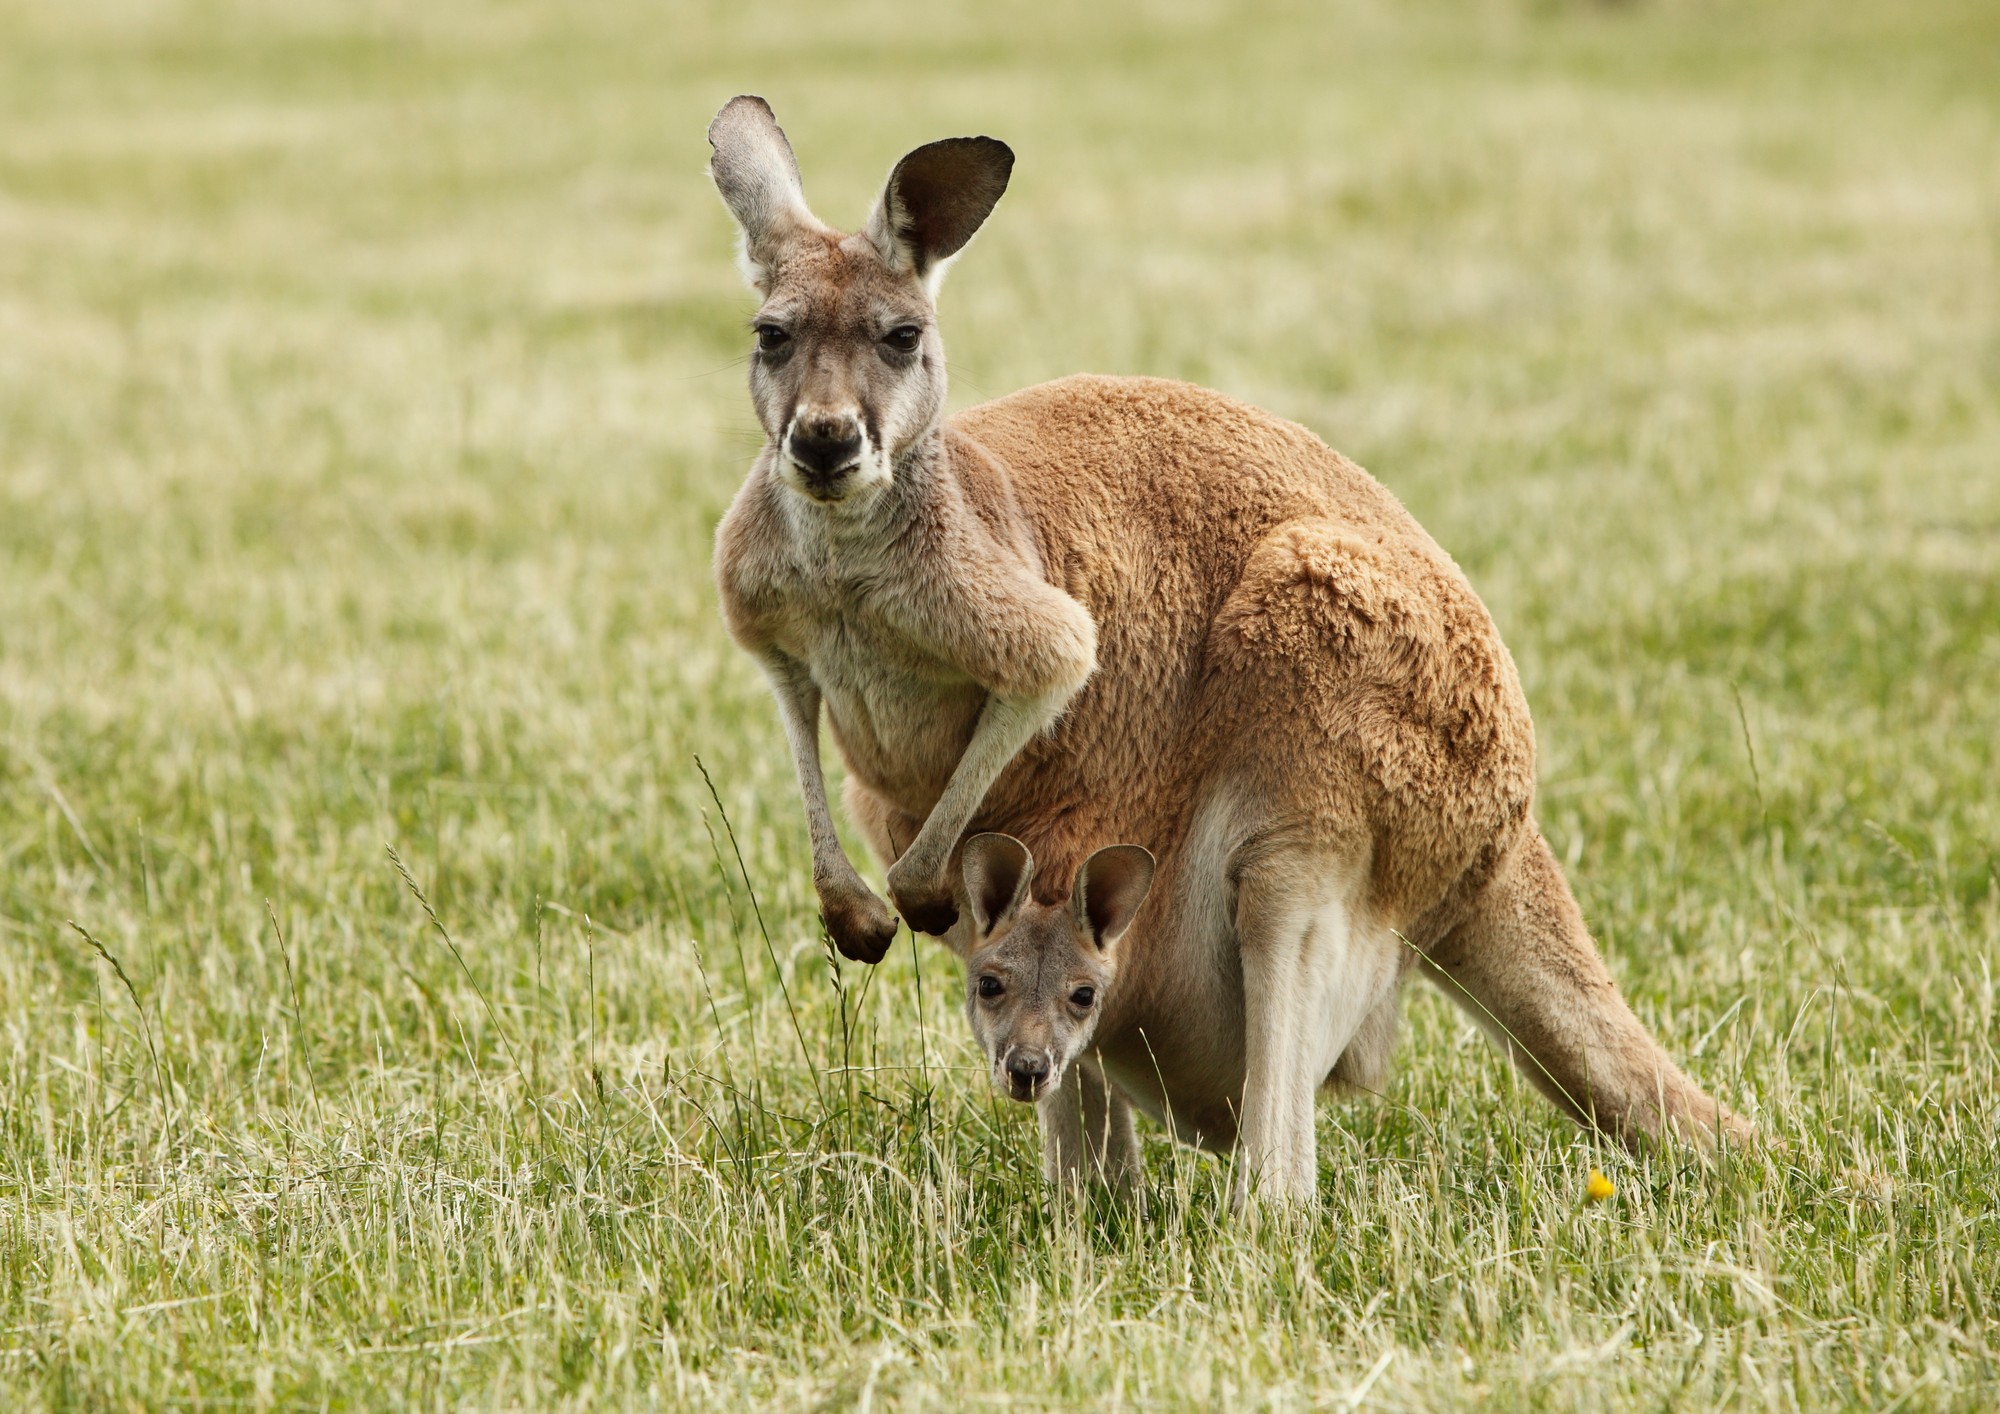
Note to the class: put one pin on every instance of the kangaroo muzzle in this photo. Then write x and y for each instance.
(1026, 1072)
(825, 448)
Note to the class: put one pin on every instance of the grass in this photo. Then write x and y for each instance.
(369, 387)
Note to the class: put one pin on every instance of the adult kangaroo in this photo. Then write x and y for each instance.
(1118, 609)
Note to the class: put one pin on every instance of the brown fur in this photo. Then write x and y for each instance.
(1129, 609)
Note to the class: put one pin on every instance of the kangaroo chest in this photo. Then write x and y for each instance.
(900, 715)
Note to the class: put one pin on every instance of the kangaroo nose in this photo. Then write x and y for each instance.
(1027, 1069)
(825, 445)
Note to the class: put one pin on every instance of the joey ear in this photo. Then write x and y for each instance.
(997, 869)
(753, 168)
(936, 198)
(1109, 889)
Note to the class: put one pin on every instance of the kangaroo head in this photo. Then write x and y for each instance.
(1036, 974)
(847, 374)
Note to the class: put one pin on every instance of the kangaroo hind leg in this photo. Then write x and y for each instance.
(1314, 974)
(1363, 1068)
(1524, 967)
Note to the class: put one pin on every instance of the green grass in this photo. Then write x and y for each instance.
(369, 387)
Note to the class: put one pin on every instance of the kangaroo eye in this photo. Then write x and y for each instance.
(903, 338)
(990, 987)
(770, 338)
(1082, 997)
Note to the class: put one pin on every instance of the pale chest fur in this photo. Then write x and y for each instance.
(901, 715)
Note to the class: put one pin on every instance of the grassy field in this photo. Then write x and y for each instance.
(370, 384)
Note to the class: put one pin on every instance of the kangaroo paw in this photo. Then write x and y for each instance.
(861, 926)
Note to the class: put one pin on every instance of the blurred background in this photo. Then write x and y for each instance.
(371, 383)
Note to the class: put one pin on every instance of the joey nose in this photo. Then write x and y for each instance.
(1026, 1070)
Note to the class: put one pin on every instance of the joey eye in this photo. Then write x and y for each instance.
(991, 987)
(1082, 997)
(903, 338)
(770, 338)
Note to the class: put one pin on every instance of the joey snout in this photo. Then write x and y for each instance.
(1032, 1013)
(1027, 1073)
(1028, 1031)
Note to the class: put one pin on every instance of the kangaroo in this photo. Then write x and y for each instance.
(1037, 980)
(1133, 609)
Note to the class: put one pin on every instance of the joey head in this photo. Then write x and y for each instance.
(1037, 975)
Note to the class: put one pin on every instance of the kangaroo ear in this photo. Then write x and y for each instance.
(997, 869)
(936, 198)
(1109, 889)
(753, 167)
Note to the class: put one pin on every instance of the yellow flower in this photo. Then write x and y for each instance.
(1598, 1187)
